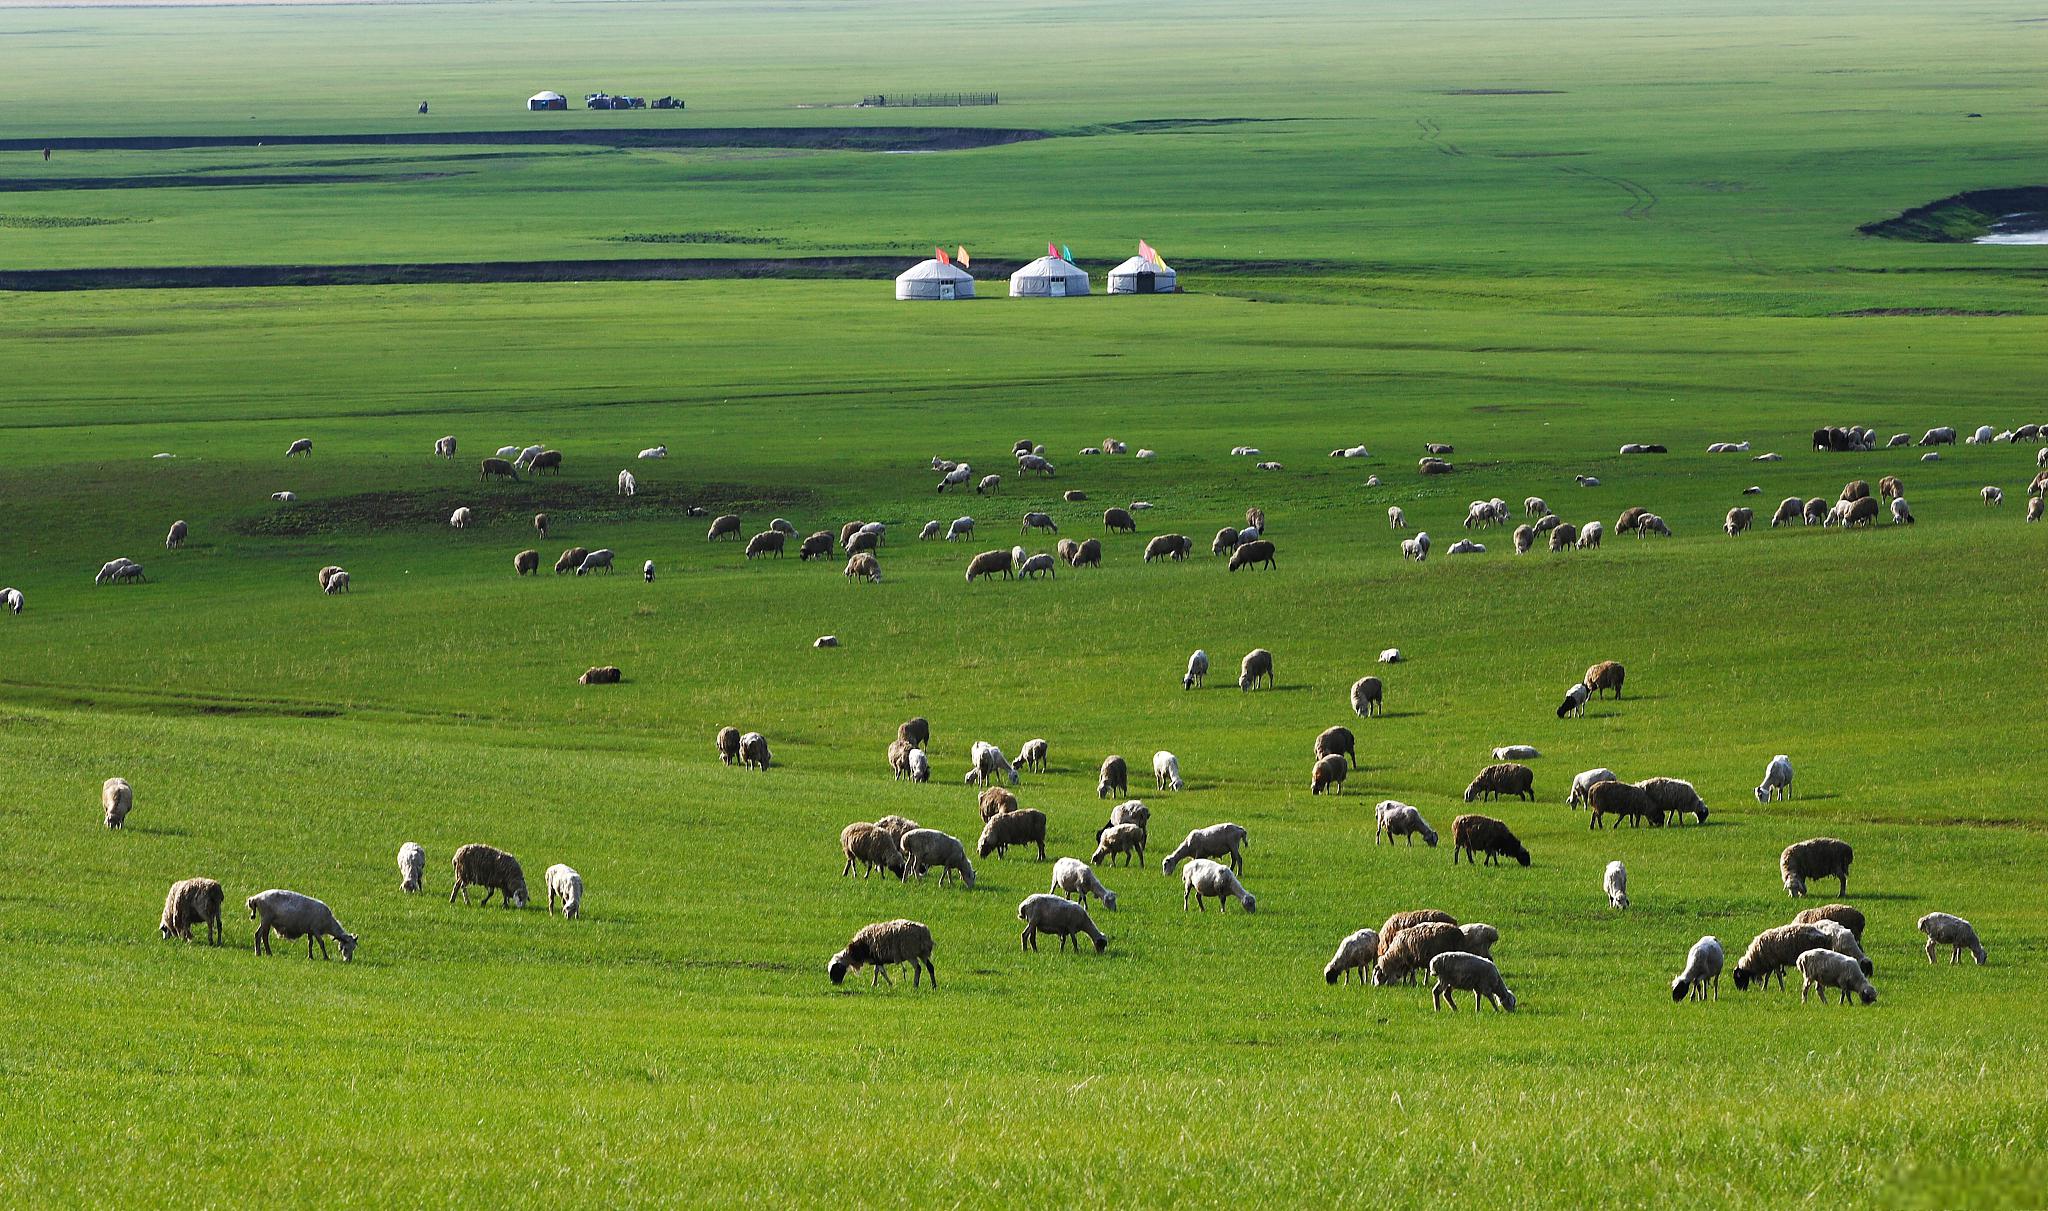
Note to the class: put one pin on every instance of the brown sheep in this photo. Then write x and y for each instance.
(817, 546)
(765, 543)
(1856, 489)
(987, 564)
(1773, 950)
(607, 674)
(1788, 512)
(847, 531)
(1119, 521)
(1115, 778)
(725, 525)
(1676, 797)
(326, 574)
(1004, 829)
(1068, 551)
(540, 524)
(864, 540)
(1626, 523)
(546, 460)
(1622, 799)
(1089, 555)
(1816, 858)
(871, 847)
(1564, 536)
(190, 902)
(896, 826)
(1169, 546)
(1256, 665)
(995, 801)
(1890, 488)
(1738, 521)
(728, 744)
(1225, 540)
(754, 751)
(1328, 774)
(1408, 919)
(1072, 496)
(1255, 518)
(492, 869)
(1525, 538)
(1335, 740)
(526, 562)
(1506, 778)
(1476, 834)
(1604, 676)
(1367, 697)
(571, 560)
(899, 757)
(499, 467)
(916, 729)
(864, 566)
(1413, 948)
(1256, 552)
(1862, 512)
(1848, 918)
(1434, 466)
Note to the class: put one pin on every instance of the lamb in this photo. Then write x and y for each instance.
(864, 566)
(1397, 819)
(1356, 953)
(1031, 754)
(1458, 971)
(1204, 878)
(1396, 519)
(1404, 953)
(1505, 778)
(1675, 797)
(600, 558)
(1992, 495)
(1576, 696)
(1215, 841)
(1075, 877)
(960, 527)
(302, 446)
(1025, 826)
(1702, 967)
(1257, 664)
(1622, 800)
(1738, 521)
(1615, 884)
(571, 560)
(1848, 918)
(988, 563)
(1125, 839)
(883, 944)
(1198, 670)
(1773, 950)
(1777, 783)
(190, 902)
(292, 916)
(1166, 771)
(654, 452)
(1945, 929)
(1366, 697)
(1327, 774)
(564, 883)
(1604, 676)
(1902, 513)
(1817, 858)
(605, 674)
(754, 752)
(1114, 779)
(412, 867)
(986, 761)
(926, 848)
(1475, 834)
(1584, 783)
(337, 583)
(117, 799)
(1825, 969)
(728, 743)
(996, 800)
(492, 869)
(1416, 548)
(1255, 553)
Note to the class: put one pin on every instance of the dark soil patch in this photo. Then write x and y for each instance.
(1503, 92)
(688, 237)
(47, 222)
(498, 504)
(1881, 311)
(1960, 218)
(1536, 155)
(834, 138)
(191, 181)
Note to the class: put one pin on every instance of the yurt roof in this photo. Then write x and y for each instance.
(1138, 264)
(931, 269)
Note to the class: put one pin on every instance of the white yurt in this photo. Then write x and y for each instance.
(934, 279)
(1140, 276)
(1048, 277)
(547, 100)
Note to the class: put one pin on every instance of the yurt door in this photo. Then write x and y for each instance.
(1145, 281)
(1056, 288)
(946, 291)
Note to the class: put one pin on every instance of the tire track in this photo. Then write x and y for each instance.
(1433, 135)
(1641, 199)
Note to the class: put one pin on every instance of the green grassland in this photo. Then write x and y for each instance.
(681, 1044)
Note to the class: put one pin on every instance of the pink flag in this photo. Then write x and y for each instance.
(1050, 250)
(942, 256)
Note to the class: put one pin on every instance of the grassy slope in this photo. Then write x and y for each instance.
(681, 1044)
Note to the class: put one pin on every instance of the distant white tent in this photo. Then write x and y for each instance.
(934, 279)
(1048, 277)
(547, 100)
(1140, 276)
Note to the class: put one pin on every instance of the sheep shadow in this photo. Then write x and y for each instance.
(153, 831)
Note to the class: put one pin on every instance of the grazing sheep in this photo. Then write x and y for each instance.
(1416, 548)
(1943, 436)
(1073, 496)
(725, 525)
(118, 570)
(767, 542)
(1604, 676)
(1650, 523)
(2033, 513)
(926, 848)
(1675, 797)
(1114, 779)
(1176, 547)
(502, 468)
(1980, 437)
(1356, 953)
(1848, 918)
(1397, 819)
(564, 883)
(302, 446)
(961, 527)
(986, 761)
(654, 452)
(540, 524)
(899, 757)
(897, 826)
(959, 474)
(1576, 695)
(882, 945)
(571, 560)
(412, 867)
(1824, 969)
(337, 583)
(995, 801)
(920, 766)
(1333, 740)
(1130, 811)
(117, 799)
(916, 729)
(1125, 839)
(1855, 489)
(1992, 495)
(1408, 919)
(1524, 539)
(932, 529)
(1409, 951)
(1071, 876)
(1777, 783)
(988, 563)
(864, 566)
(492, 869)
(754, 752)
(1738, 521)
(1024, 826)
(607, 674)
(1257, 664)
(1816, 858)
(1087, 555)
(1198, 670)
(600, 558)
(1842, 940)
(551, 460)
(445, 447)
(461, 518)
(176, 538)
(1366, 697)
(1774, 950)
(817, 546)
(1390, 656)
(728, 743)
(1038, 521)
(292, 916)
(1056, 915)
(1944, 929)
(1516, 752)
(1547, 523)
(1226, 540)
(1205, 879)
(1473, 835)
(1584, 783)
(1215, 841)
(870, 846)
(1788, 512)
(1902, 513)
(1615, 884)
(1396, 519)
(286, 497)
(1458, 971)
(1327, 775)
(1816, 512)
(1037, 565)
(190, 902)
(1119, 521)
(647, 574)
(1622, 800)
(11, 598)
(1257, 552)
(1166, 771)
(1031, 754)
(988, 484)
(1505, 778)
(526, 562)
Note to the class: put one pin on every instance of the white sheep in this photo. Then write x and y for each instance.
(1456, 971)
(564, 883)
(1590, 535)
(111, 569)
(1777, 783)
(292, 916)
(412, 866)
(1466, 546)
(1145, 454)
(600, 558)
(1702, 967)
(1615, 884)
(647, 574)
(1576, 695)
(1584, 783)
(1166, 771)
(1416, 548)
(1516, 752)
(1390, 655)
(530, 453)
(925, 848)
(1056, 915)
(1394, 818)
(986, 761)
(957, 476)
(1071, 876)
(1396, 519)
(628, 485)
(508, 452)
(303, 445)
(1992, 495)
(12, 599)
(920, 766)
(1825, 969)
(337, 583)
(962, 527)
(117, 799)
(655, 452)
(286, 497)
(1197, 674)
(1203, 878)
(1356, 953)
(1842, 940)
(1902, 513)
(1945, 929)
(461, 518)
(1586, 481)
(445, 446)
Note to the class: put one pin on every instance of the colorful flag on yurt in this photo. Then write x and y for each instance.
(942, 256)
(1050, 250)
(961, 256)
(1064, 254)
(1146, 250)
